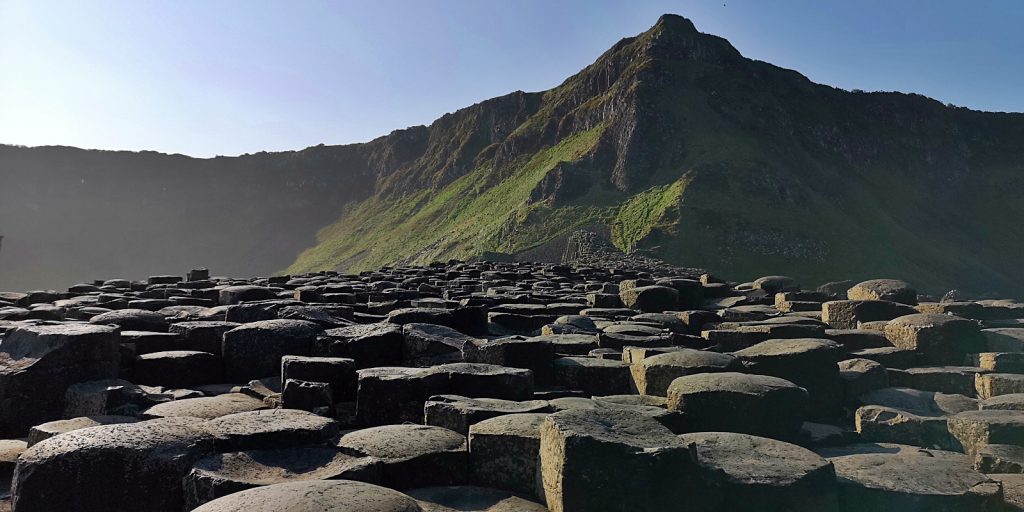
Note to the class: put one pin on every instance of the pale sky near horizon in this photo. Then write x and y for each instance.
(227, 77)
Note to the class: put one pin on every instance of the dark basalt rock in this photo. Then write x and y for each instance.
(490, 386)
(245, 293)
(412, 455)
(474, 499)
(177, 368)
(740, 472)
(278, 428)
(203, 336)
(132, 320)
(883, 289)
(254, 350)
(39, 363)
(206, 407)
(458, 412)
(228, 473)
(736, 402)
(926, 483)
(378, 344)
(73, 471)
(315, 496)
(590, 458)
(47, 430)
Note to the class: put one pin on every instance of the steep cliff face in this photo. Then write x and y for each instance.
(785, 174)
(686, 149)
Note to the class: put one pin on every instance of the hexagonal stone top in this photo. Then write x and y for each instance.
(743, 383)
(912, 474)
(160, 434)
(690, 358)
(268, 467)
(1007, 402)
(526, 425)
(401, 441)
(34, 342)
(472, 499)
(613, 426)
(755, 460)
(206, 407)
(315, 496)
(789, 347)
(53, 428)
(276, 427)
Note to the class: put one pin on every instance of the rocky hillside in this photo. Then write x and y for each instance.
(671, 143)
(680, 146)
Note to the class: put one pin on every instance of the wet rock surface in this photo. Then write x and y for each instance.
(508, 387)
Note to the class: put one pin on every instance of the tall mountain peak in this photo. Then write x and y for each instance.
(674, 143)
(676, 37)
(674, 24)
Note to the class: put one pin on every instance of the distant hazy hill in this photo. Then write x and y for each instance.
(672, 142)
(70, 215)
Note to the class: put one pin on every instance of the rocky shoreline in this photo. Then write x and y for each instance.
(511, 386)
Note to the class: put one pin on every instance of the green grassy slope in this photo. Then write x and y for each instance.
(462, 219)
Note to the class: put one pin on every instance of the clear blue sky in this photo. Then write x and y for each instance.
(209, 77)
